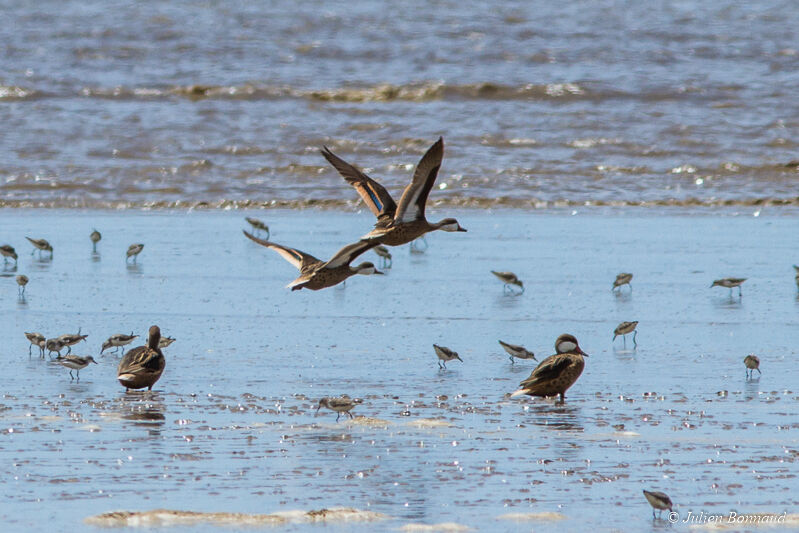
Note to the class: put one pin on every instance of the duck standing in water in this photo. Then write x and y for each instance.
(142, 366)
(555, 374)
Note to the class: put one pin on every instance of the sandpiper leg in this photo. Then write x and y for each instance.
(29, 349)
(758, 371)
(351, 417)
(71, 377)
(635, 334)
(511, 360)
(338, 415)
(624, 338)
(78, 373)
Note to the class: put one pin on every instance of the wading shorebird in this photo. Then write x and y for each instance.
(343, 404)
(625, 328)
(165, 341)
(42, 245)
(515, 350)
(36, 339)
(8, 251)
(730, 283)
(384, 254)
(95, 238)
(403, 223)
(622, 279)
(70, 340)
(75, 362)
(133, 251)
(554, 375)
(508, 278)
(659, 501)
(118, 340)
(142, 366)
(752, 363)
(445, 354)
(22, 280)
(257, 225)
(316, 274)
(54, 345)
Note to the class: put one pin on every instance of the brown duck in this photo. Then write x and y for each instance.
(142, 366)
(316, 274)
(403, 223)
(555, 374)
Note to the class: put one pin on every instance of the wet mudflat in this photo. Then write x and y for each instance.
(230, 427)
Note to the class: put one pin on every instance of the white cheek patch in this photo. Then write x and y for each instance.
(566, 346)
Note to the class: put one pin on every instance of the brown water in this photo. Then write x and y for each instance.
(231, 425)
(106, 104)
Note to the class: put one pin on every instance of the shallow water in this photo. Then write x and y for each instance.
(106, 104)
(231, 425)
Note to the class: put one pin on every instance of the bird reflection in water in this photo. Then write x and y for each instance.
(144, 407)
(560, 416)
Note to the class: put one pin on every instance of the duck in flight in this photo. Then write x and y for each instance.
(316, 274)
(403, 223)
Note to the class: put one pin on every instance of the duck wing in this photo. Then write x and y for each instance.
(348, 253)
(300, 260)
(550, 368)
(374, 195)
(141, 359)
(412, 204)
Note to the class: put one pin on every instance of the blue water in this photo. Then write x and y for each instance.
(231, 425)
(106, 104)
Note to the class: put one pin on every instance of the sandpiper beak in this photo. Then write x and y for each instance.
(459, 358)
(380, 273)
(461, 229)
(581, 352)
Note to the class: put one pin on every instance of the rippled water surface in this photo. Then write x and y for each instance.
(231, 425)
(178, 103)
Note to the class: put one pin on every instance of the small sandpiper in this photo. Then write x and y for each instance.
(36, 339)
(75, 362)
(623, 329)
(54, 345)
(622, 279)
(42, 245)
(258, 226)
(133, 251)
(69, 340)
(118, 340)
(659, 501)
(22, 280)
(384, 254)
(165, 341)
(752, 363)
(8, 251)
(514, 350)
(508, 278)
(445, 354)
(729, 283)
(95, 238)
(342, 404)
(554, 375)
